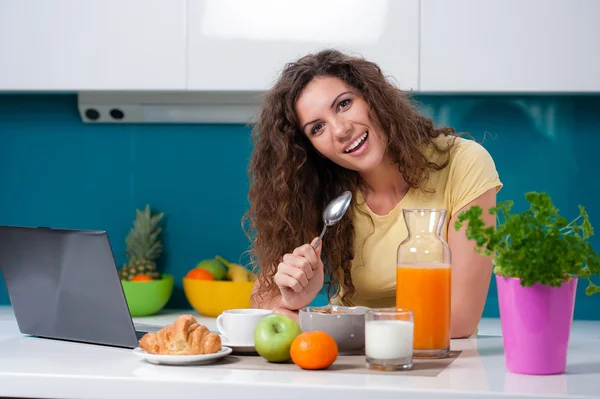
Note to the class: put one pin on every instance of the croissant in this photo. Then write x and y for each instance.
(184, 337)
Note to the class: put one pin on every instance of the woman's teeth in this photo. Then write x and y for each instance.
(356, 143)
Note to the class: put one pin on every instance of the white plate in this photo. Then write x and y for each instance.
(238, 348)
(182, 360)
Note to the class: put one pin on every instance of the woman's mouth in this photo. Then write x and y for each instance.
(358, 146)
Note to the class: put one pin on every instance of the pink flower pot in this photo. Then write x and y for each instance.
(536, 324)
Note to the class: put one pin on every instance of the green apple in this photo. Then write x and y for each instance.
(215, 267)
(273, 337)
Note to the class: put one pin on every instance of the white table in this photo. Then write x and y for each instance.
(39, 368)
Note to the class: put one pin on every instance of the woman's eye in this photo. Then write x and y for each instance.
(344, 103)
(316, 128)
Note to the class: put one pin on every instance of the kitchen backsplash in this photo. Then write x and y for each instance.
(57, 171)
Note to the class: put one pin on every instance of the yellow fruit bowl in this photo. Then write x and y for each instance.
(210, 298)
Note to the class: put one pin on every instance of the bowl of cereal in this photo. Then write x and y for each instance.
(346, 324)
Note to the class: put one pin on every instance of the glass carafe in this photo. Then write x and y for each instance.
(423, 276)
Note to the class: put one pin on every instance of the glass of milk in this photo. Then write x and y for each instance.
(389, 336)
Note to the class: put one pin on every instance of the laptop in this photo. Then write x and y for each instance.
(64, 284)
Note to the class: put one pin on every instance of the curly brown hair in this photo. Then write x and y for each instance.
(290, 182)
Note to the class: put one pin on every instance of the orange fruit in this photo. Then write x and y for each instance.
(141, 277)
(200, 274)
(314, 350)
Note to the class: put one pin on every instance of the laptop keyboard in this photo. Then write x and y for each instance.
(141, 329)
(146, 327)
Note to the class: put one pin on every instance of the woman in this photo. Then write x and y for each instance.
(332, 123)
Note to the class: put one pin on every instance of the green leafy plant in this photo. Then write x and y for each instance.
(537, 245)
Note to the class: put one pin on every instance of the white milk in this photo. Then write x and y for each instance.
(389, 339)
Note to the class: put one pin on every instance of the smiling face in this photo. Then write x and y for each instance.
(336, 120)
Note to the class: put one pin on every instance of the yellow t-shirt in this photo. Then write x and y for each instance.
(470, 172)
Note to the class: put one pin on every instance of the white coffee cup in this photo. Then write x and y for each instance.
(238, 325)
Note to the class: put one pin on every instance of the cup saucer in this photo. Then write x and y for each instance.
(237, 347)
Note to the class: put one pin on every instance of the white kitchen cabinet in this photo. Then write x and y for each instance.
(510, 46)
(70, 45)
(239, 45)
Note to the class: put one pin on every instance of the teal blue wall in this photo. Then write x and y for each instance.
(57, 171)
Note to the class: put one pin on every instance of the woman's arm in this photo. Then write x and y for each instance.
(299, 278)
(273, 303)
(471, 272)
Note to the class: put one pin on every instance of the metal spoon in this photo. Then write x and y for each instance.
(334, 211)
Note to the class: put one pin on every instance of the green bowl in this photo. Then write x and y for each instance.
(146, 298)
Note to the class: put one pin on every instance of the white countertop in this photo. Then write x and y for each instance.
(40, 368)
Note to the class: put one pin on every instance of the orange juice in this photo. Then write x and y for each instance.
(425, 289)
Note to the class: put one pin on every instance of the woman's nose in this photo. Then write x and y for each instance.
(341, 129)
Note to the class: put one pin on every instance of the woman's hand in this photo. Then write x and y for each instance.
(300, 276)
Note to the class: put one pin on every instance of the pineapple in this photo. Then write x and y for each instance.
(143, 246)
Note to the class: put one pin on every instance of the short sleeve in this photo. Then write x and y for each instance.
(472, 173)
